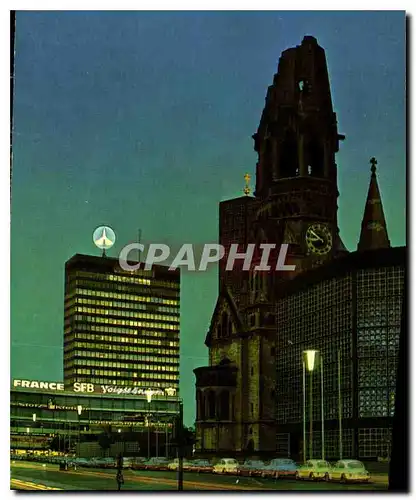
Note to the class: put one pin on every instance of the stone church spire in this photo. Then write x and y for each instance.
(373, 227)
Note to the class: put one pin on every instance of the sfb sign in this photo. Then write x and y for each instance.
(83, 387)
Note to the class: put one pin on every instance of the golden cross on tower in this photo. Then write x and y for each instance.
(247, 188)
(373, 162)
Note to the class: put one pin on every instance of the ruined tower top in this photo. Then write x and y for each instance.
(297, 134)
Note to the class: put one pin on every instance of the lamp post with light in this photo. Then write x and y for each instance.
(157, 437)
(179, 444)
(28, 434)
(79, 411)
(34, 422)
(149, 394)
(311, 359)
(69, 437)
(167, 439)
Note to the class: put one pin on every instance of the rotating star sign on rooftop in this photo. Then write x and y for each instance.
(104, 238)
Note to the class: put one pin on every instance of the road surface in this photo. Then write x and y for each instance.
(37, 476)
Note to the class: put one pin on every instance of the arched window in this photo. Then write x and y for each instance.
(224, 405)
(200, 397)
(253, 277)
(219, 330)
(224, 324)
(315, 157)
(268, 152)
(211, 404)
(250, 445)
(289, 155)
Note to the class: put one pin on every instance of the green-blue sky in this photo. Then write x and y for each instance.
(144, 120)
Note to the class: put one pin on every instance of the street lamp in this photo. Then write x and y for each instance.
(311, 359)
(69, 434)
(124, 442)
(166, 438)
(33, 439)
(79, 411)
(179, 440)
(157, 436)
(149, 394)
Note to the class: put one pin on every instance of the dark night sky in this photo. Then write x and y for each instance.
(144, 120)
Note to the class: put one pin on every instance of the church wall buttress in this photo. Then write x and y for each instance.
(268, 366)
(229, 350)
(253, 371)
(232, 351)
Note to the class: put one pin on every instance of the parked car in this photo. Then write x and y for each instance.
(90, 462)
(66, 464)
(200, 465)
(128, 462)
(251, 468)
(100, 462)
(156, 463)
(104, 462)
(226, 466)
(111, 462)
(138, 463)
(81, 462)
(349, 471)
(313, 470)
(279, 467)
(186, 464)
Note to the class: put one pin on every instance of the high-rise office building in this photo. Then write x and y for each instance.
(121, 328)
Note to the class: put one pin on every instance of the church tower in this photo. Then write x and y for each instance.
(296, 174)
(295, 202)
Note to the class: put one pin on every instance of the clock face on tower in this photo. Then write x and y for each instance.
(319, 239)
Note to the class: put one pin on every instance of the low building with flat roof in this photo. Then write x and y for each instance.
(51, 416)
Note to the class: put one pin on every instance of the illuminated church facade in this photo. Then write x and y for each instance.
(249, 398)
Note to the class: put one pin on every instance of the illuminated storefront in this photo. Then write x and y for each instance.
(121, 328)
(43, 412)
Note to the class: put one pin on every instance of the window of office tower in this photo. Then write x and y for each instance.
(121, 327)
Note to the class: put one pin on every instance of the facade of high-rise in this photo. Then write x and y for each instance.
(294, 203)
(121, 328)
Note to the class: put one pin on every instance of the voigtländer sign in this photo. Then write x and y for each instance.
(83, 387)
